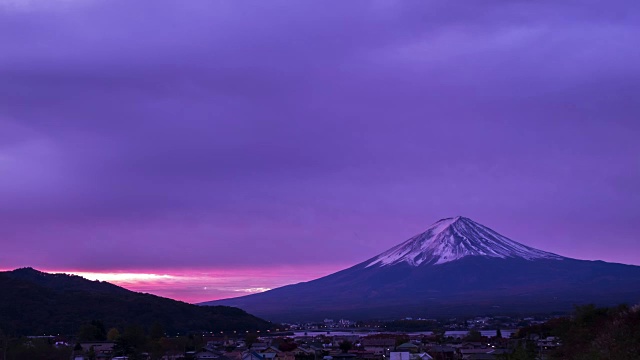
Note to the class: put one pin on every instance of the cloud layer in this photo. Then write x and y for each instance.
(198, 134)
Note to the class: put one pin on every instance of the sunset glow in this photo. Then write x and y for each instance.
(122, 277)
(195, 286)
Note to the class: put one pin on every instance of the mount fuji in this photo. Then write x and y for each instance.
(456, 267)
(453, 239)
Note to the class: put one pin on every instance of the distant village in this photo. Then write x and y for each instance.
(480, 338)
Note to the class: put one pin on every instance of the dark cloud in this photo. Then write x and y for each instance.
(312, 132)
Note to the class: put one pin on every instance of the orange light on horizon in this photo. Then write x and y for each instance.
(200, 285)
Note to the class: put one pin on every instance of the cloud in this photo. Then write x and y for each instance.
(198, 286)
(186, 130)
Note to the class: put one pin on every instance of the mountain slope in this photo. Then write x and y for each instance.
(35, 302)
(456, 267)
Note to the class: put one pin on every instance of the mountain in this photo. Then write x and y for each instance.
(34, 302)
(457, 267)
(453, 239)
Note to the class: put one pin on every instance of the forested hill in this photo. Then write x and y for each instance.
(34, 302)
(591, 333)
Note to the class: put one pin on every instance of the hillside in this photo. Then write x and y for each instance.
(35, 302)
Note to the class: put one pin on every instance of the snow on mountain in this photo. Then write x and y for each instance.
(454, 238)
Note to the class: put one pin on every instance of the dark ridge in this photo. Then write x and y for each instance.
(34, 302)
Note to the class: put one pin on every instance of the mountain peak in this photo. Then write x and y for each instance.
(453, 238)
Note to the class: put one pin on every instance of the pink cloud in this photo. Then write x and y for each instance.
(200, 285)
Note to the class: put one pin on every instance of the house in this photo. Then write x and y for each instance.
(234, 355)
(209, 355)
(344, 356)
(442, 352)
(271, 353)
(465, 352)
(408, 347)
(301, 350)
(549, 342)
(379, 346)
(99, 347)
(399, 355)
(501, 351)
(252, 355)
(480, 356)
(364, 355)
(317, 347)
(421, 356)
(259, 346)
(350, 338)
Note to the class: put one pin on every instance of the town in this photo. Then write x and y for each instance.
(479, 338)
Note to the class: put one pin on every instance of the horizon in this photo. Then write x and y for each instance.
(199, 150)
(176, 285)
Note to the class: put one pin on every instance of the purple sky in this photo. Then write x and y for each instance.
(283, 140)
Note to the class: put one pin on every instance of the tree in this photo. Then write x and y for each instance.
(113, 334)
(499, 334)
(171, 347)
(156, 350)
(157, 331)
(438, 334)
(38, 349)
(93, 331)
(135, 335)
(345, 346)
(287, 345)
(526, 352)
(592, 333)
(250, 338)
(130, 343)
(101, 332)
(473, 336)
(284, 344)
(4, 344)
(304, 356)
(91, 354)
(401, 339)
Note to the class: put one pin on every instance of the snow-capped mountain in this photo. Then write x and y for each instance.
(456, 267)
(451, 239)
